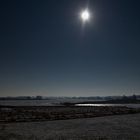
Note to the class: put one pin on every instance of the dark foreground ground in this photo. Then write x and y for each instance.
(69, 123)
(118, 127)
(51, 113)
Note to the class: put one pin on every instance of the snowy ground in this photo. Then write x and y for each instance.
(121, 127)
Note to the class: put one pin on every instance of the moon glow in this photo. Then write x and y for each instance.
(85, 15)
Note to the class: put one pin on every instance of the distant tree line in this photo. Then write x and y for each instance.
(97, 98)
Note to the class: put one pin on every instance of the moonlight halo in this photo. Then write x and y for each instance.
(85, 15)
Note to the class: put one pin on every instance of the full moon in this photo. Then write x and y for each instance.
(85, 15)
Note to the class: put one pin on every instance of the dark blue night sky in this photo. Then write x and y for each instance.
(45, 50)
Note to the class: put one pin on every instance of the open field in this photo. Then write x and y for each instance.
(69, 123)
(120, 127)
(47, 113)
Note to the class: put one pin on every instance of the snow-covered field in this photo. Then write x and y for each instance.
(121, 127)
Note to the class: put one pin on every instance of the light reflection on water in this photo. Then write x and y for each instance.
(126, 105)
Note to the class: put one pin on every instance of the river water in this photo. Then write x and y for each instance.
(56, 102)
(127, 105)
